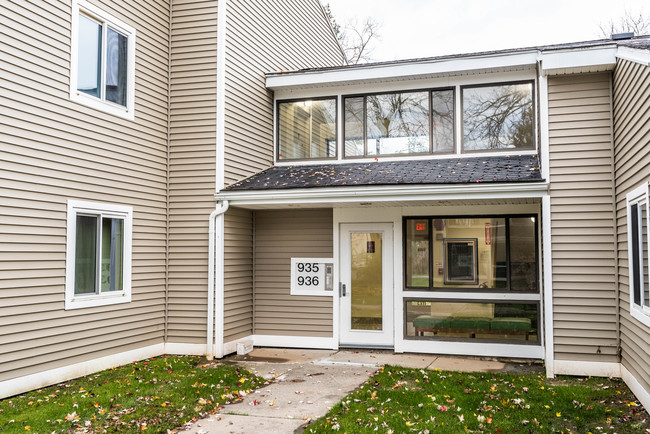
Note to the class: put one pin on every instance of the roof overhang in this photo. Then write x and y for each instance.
(403, 70)
(637, 55)
(579, 60)
(336, 196)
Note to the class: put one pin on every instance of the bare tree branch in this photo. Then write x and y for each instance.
(356, 39)
(638, 22)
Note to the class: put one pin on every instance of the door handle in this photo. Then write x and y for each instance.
(342, 292)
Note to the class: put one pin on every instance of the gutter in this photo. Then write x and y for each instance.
(384, 193)
(215, 292)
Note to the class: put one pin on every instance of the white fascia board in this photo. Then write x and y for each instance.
(564, 61)
(392, 193)
(402, 70)
(634, 55)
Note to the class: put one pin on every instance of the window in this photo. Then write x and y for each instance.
(484, 254)
(307, 129)
(399, 123)
(103, 60)
(637, 221)
(507, 322)
(498, 117)
(98, 256)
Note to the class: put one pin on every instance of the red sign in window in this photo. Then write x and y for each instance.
(488, 234)
(420, 226)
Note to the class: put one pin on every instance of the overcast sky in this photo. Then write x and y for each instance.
(424, 28)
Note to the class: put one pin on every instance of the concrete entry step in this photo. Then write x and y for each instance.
(305, 384)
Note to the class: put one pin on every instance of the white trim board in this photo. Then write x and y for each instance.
(469, 349)
(183, 349)
(591, 369)
(634, 55)
(26, 383)
(397, 193)
(405, 70)
(295, 342)
(639, 391)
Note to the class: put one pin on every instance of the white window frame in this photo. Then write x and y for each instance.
(128, 112)
(76, 207)
(640, 197)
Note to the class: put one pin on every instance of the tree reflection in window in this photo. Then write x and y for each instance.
(398, 123)
(498, 117)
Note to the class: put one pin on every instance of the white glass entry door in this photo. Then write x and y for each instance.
(366, 292)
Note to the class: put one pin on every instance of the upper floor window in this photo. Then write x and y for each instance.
(307, 129)
(103, 60)
(399, 123)
(639, 253)
(98, 261)
(498, 117)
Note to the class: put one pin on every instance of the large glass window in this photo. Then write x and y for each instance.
(307, 129)
(479, 253)
(103, 60)
(399, 123)
(99, 251)
(454, 320)
(498, 117)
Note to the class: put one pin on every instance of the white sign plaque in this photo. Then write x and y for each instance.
(312, 276)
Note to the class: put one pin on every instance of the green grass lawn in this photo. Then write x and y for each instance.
(413, 400)
(152, 395)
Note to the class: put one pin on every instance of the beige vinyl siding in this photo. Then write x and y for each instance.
(192, 164)
(582, 226)
(279, 236)
(54, 150)
(238, 274)
(262, 37)
(632, 146)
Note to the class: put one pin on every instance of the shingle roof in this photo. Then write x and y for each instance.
(639, 42)
(469, 170)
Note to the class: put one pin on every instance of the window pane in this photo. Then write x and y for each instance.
(636, 265)
(116, 50)
(523, 255)
(397, 123)
(89, 56)
(417, 253)
(498, 117)
(366, 281)
(469, 253)
(442, 112)
(456, 320)
(307, 129)
(85, 264)
(353, 127)
(112, 254)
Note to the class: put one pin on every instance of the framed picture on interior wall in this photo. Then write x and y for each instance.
(461, 261)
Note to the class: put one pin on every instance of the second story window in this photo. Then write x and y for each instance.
(498, 117)
(399, 123)
(307, 129)
(102, 69)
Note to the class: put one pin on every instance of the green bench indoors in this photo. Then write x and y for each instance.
(472, 325)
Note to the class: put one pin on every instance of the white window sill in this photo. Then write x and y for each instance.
(93, 300)
(640, 314)
(103, 106)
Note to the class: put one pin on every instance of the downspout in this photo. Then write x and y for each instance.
(216, 243)
(547, 259)
(215, 300)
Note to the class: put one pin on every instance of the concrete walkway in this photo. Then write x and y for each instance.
(307, 383)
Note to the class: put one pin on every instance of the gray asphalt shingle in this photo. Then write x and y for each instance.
(467, 170)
